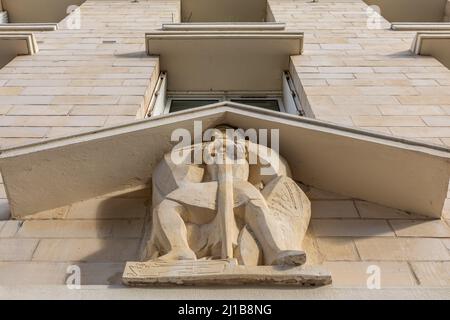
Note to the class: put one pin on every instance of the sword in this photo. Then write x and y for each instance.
(225, 205)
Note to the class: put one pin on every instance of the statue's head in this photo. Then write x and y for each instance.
(226, 147)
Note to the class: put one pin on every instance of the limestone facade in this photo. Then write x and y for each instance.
(100, 75)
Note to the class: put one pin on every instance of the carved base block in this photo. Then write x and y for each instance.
(220, 272)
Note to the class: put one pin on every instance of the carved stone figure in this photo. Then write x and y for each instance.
(226, 208)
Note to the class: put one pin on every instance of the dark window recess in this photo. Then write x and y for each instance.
(179, 105)
(261, 103)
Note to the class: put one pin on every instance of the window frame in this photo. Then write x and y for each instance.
(288, 98)
(172, 97)
(222, 98)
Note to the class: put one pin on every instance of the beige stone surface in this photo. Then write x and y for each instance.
(356, 275)
(91, 250)
(101, 273)
(369, 210)
(121, 110)
(446, 243)
(432, 274)
(417, 228)
(402, 249)
(351, 228)
(333, 209)
(317, 194)
(65, 229)
(27, 110)
(56, 273)
(17, 249)
(337, 249)
(23, 132)
(57, 213)
(65, 131)
(128, 228)
(244, 293)
(32, 273)
(9, 229)
(388, 121)
(109, 208)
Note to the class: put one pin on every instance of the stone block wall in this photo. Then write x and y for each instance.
(99, 75)
(367, 78)
(101, 234)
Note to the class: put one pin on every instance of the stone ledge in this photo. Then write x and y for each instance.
(220, 272)
(30, 27)
(244, 293)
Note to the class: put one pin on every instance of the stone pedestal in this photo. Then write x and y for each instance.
(220, 272)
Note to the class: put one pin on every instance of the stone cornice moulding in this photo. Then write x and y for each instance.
(30, 27)
(394, 172)
(420, 26)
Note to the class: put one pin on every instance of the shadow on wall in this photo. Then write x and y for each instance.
(6, 57)
(38, 11)
(120, 228)
(411, 10)
(132, 55)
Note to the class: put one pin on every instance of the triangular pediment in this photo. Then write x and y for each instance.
(397, 173)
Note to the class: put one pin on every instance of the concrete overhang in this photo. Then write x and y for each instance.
(224, 61)
(42, 11)
(21, 43)
(397, 173)
(433, 43)
(16, 44)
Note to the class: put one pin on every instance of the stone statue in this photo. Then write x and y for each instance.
(225, 208)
